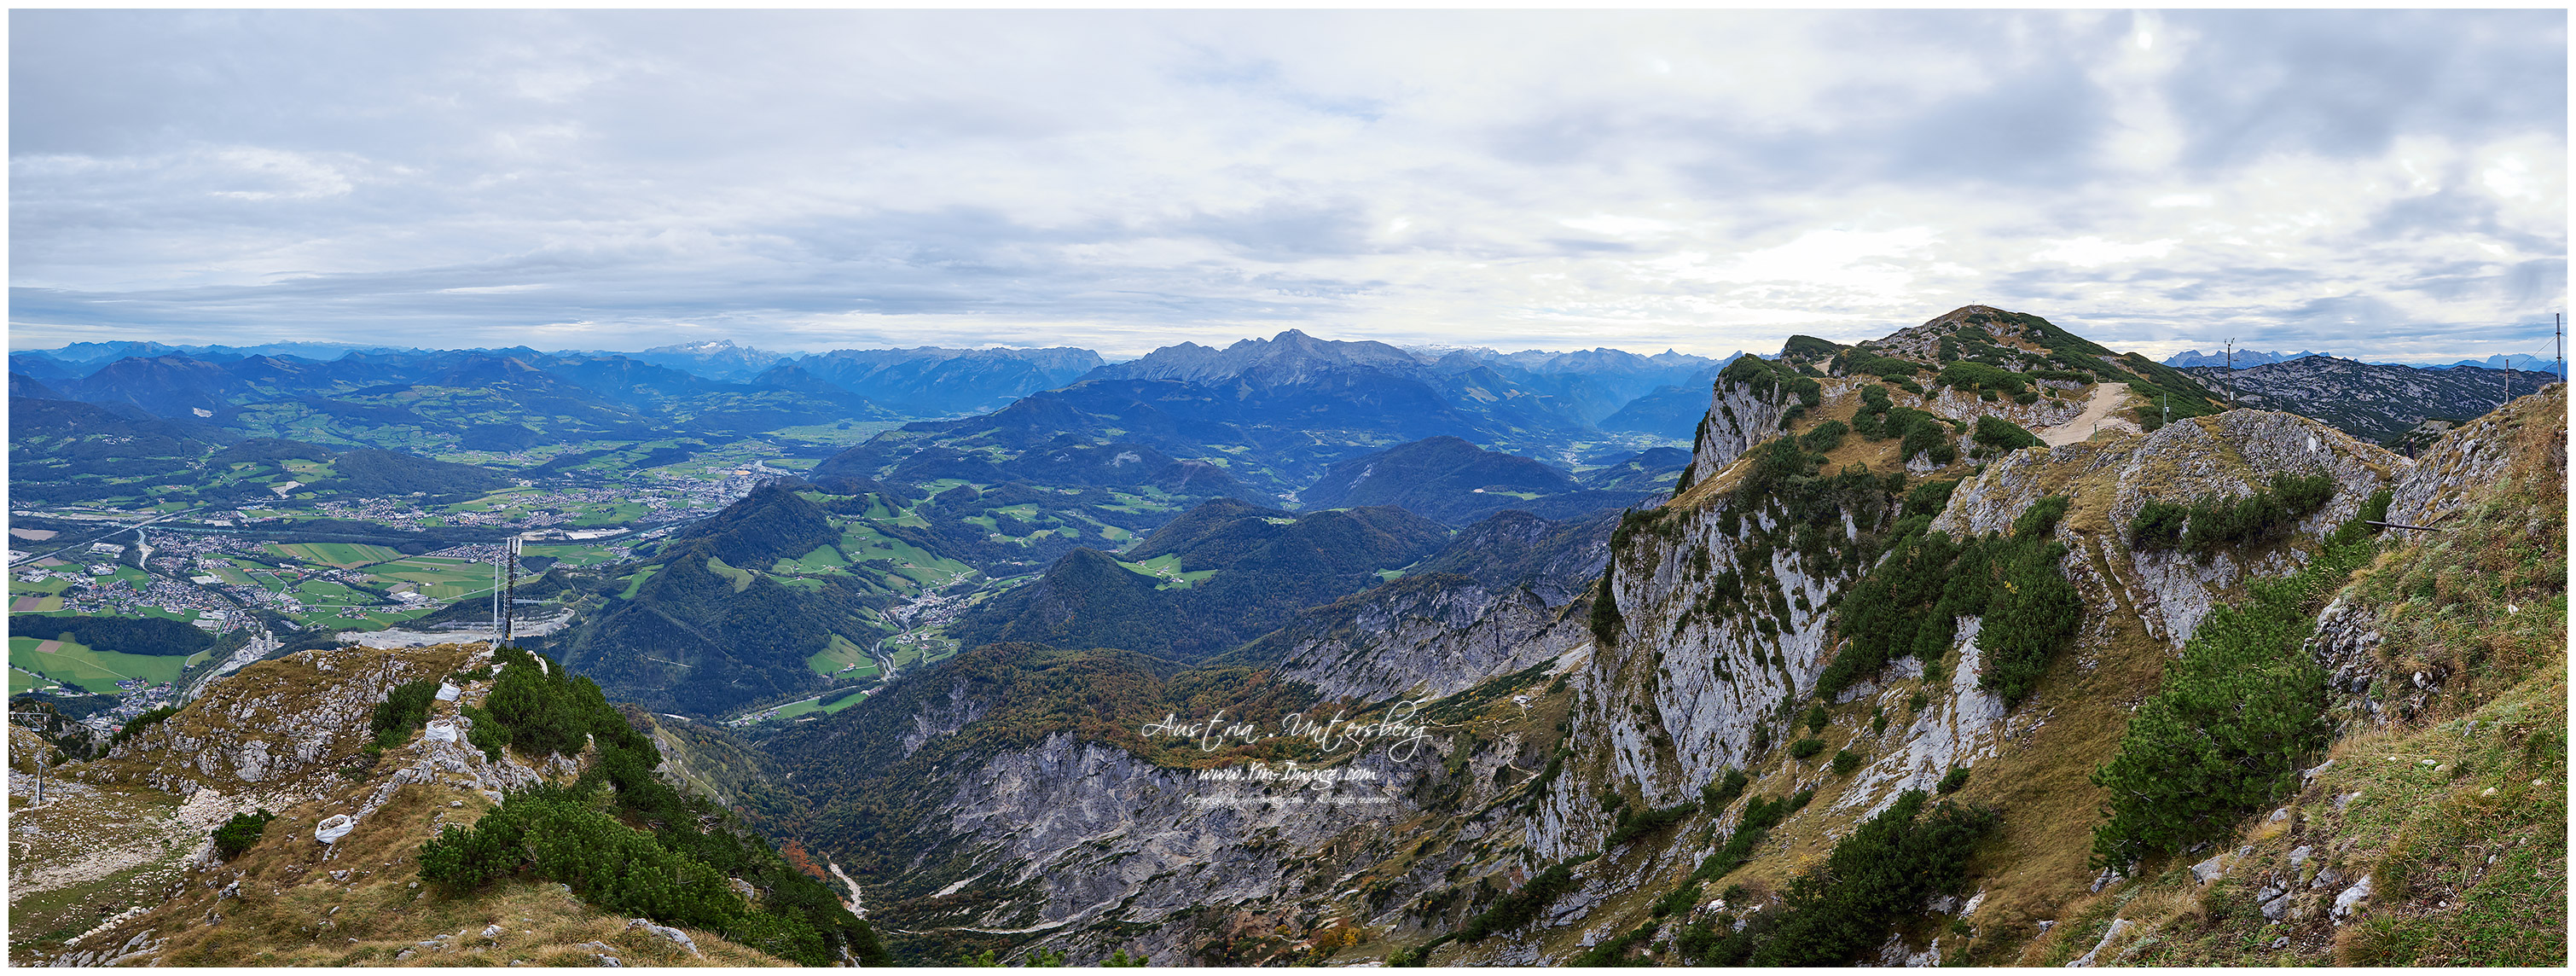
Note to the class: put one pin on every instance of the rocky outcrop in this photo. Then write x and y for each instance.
(275, 724)
(1738, 418)
(1427, 637)
(1099, 834)
(2231, 455)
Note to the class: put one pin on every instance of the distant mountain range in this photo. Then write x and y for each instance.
(2247, 358)
(2244, 358)
(2374, 401)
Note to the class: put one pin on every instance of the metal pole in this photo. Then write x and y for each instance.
(2231, 374)
(510, 594)
(496, 601)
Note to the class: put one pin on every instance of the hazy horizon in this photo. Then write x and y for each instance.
(1106, 356)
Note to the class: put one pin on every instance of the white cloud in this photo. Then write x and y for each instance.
(1706, 180)
(2094, 252)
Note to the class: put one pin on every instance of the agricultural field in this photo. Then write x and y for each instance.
(44, 597)
(88, 668)
(839, 655)
(340, 555)
(841, 699)
(1167, 568)
(859, 543)
(439, 578)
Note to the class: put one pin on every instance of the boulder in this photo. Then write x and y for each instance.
(2345, 904)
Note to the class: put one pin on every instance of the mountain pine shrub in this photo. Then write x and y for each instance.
(1998, 435)
(240, 832)
(2225, 732)
(404, 711)
(1878, 876)
(2210, 523)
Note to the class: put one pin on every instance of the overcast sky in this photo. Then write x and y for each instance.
(2387, 184)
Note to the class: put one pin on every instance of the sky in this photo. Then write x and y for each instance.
(2381, 184)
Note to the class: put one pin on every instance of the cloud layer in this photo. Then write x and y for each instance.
(2386, 183)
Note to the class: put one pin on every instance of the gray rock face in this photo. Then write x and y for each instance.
(1738, 418)
(1431, 641)
(1093, 830)
(2276, 904)
(2473, 454)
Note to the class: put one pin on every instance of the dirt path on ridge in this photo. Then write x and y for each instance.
(2096, 416)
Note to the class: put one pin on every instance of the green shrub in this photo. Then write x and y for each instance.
(1982, 378)
(1817, 719)
(1825, 437)
(135, 726)
(2225, 731)
(1805, 748)
(1768, 380)
(678, 870)
(404, 711)
(1886, 366)
(1952, 781)
(1909, 604)
(2034, 613)
(1845, 762)
(1760, 815)
(2210, 523)
(1877, 720)
(544, 709)
(240, 832)
(1718, 793)
(1523, 904)
(1605, 610)
(1880, 875)
(1998, 434)
(1633, 825)
(1808, 347)
(1929, 498)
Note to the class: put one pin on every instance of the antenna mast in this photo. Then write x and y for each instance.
(2231, 374)
(510, 588)
(496, 597)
